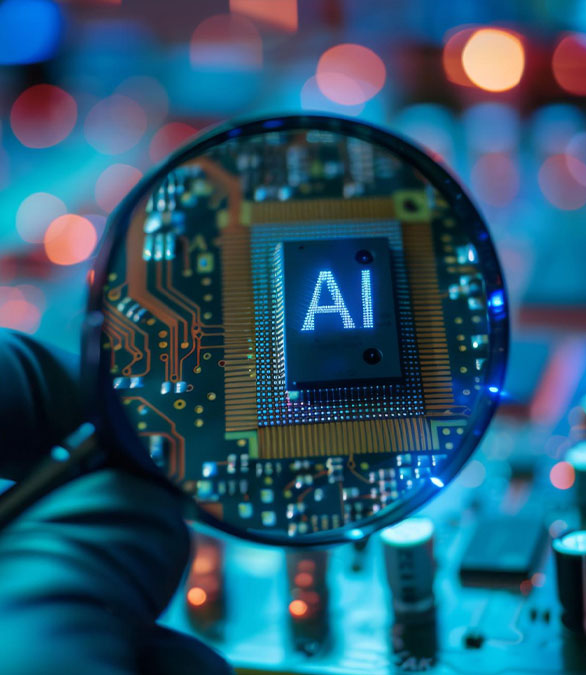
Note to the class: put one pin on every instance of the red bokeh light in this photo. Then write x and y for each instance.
(304, 579)
(557, 180)
(569, 64)
(70, 239)
(226, 42)
(452, 56)
(350, 74)
(115, 124)
(18, 308)
(114, 183)
(495, 179)
(36, 213)
(562, 475)
(43, 115)
(306, 565)
(168, 138)
(525, 587)
(281, 14)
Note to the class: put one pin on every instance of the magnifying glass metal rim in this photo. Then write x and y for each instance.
(106, 407)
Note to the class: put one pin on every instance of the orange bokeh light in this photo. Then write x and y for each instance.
(569, 64)
(226, 42)
(298, 608)
(557, 180)
(70, 239)
(43, 116)
(494, 59)
(168, 138)
(206, 560)
(196, 596)
(350, 74)
(114, 183)
(281, 14)
(562, 475)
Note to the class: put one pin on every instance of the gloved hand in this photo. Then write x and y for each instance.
(86, 571)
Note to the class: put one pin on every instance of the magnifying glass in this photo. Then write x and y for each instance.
(301, 323)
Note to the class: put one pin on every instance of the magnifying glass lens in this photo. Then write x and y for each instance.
(305, 327)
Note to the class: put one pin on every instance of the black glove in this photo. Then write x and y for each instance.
(86, 571)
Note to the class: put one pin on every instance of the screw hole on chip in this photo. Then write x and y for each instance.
(364, 257)
(372, 356)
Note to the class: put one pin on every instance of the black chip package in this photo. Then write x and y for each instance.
(340, 316)
(503, 552)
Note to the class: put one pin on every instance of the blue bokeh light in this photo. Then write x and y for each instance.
(30, 31)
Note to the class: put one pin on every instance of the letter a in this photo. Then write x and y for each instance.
(338, 306)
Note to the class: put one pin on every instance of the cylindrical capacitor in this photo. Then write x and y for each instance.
(570, 556)
(409, 564)
(576, 456)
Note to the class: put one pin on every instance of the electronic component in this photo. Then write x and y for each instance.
(503, 552)
(410, 566)
(301, 329)
(341, 323)
(308, 606)
(576, 456)
(205, 587)
(570, 558)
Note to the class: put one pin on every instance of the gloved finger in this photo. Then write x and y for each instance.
(40, 402)
(85, 572)
(175, 653)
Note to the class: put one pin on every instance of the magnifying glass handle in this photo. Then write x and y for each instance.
(78, 454)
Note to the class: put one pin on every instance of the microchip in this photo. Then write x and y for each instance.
(340, 318)
(503, 552)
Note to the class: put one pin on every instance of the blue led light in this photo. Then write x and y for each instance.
(438, 482)
(493, 390)
(496, 302)
(273, 124)
(30, 31)
(338, 306)
(355, 534)
(366, 290)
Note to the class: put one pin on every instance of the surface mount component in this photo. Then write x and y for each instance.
(341, 323)
(503, 551)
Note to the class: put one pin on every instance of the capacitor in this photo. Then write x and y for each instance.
(308, 606)
(576, 456)
(410, 566)
(570, 556)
